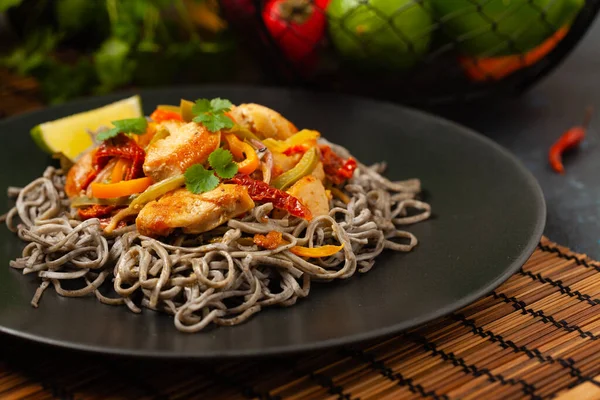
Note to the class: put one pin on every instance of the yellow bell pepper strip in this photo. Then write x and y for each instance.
(185, 106)
(280, 146)
(243, 150)
(119, 170)
(158, 189)
(305, 166)
(340, 195)
(120, 189)
(316, 252)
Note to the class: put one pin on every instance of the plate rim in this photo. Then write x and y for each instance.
(281, 350)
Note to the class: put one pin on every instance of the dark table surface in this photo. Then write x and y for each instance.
(530, 124)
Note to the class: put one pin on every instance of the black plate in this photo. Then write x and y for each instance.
(489, 213)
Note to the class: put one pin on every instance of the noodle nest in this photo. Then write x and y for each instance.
(220, 277)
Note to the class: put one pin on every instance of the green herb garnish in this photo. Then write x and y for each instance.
(221, 161)
(199, 180)
(136, 126)
(211, 113)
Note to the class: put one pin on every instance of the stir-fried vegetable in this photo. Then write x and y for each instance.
(120, 189)
(336, 168)
(243, 150)
(164, 115)
(316, 252)
(125, 148)
(261, 191)
(84, 201)
(168, 107)
(305, 166)
(119, 169)
(303, 137)
(161, 133)
(243, 133)
(340, 195)
(185, 108)
(158, 189)
(96, 211)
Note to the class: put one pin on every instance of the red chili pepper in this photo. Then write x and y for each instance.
(297, 26)
(261, 191)
(336, 168)
(568, 140)
(95, 211)
(164, 115)
(297, 149)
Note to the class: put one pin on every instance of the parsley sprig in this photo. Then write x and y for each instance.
(199, 179)
(211, 113)
(135, 126)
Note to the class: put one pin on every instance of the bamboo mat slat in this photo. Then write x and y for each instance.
(535, 336)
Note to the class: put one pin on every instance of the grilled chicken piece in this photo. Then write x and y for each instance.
(194, 213)
(263, 122)
(187, 144)
(78, 175)
(311, 192)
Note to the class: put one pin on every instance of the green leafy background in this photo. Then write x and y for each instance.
(81, 47)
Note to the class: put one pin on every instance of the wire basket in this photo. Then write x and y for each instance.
(420, 52)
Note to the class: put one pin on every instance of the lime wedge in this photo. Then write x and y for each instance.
(69, 135)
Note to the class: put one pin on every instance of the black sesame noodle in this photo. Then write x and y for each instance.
(217, 277)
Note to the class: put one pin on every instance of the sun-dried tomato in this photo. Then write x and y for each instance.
(336, 168)
(96, 211)
(123, 147)
(261, 191)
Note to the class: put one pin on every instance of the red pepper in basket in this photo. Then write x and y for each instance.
(568, 140)
(336, 168)
(296, 25)
(262, 191)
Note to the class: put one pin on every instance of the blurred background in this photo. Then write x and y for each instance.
(418, 52)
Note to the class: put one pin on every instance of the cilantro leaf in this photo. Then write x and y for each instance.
(199, 180)
(221, 161)
(214, 122)
(203, 118)
(211, 113)
(107, 134)
(220, 105)
(131, 125)
(218, 122)
(201, 106)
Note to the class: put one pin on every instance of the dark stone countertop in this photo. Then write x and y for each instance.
(530, 124)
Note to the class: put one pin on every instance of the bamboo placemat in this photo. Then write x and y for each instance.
(536, 336)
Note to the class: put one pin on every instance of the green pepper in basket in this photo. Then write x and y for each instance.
(503, 27)
(381, 34)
